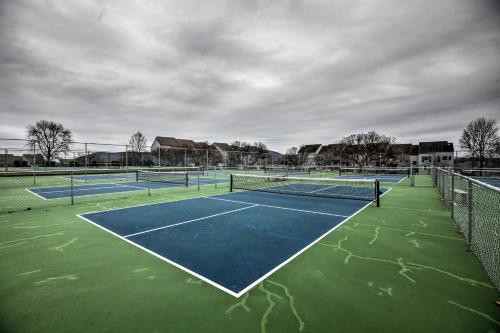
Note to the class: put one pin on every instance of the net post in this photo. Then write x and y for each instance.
(198, 179)
(231, 183)
(149, 184)
(377, 192)
(5, 160)
(136, 175)
(187, 179)
(470, 215)
(72, 196)
(207, 162)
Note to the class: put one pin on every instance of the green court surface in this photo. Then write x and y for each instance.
(401, 267)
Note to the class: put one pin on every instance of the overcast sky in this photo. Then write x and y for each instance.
(282, 72)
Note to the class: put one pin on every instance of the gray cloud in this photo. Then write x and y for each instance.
(282, 72)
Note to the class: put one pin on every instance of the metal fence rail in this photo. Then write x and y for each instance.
(475, 208)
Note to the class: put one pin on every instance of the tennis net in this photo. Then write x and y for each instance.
(357, 189)
(172, 177)
(372, 171)
(192, 171)
(287, 171)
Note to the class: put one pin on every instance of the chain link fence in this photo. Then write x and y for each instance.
(475, 208)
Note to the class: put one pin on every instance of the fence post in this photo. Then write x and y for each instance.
(72, 196)
(126, 158)
(207, 162)
(34, 157)
(452, 196)
(5, 160)
(470, 215)
(86, 157)
(34, 164)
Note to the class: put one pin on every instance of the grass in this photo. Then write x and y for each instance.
(399, 267)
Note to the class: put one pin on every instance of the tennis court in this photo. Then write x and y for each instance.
(289, 248)
(381, 178)
(59, 192)
(384, 175)
(104, 177)
(231, 241)
(490, 181)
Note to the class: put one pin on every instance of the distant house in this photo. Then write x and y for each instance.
(10, 160)
(31, 160)
(173, 151)
(330, 154)
(164, 142)
(399, 155)
(248, 155)
(106, 159)
(309, 153)
(436, 153)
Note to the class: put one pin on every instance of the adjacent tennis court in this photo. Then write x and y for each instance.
(381, 178)
(490, 181)
(59, 192)
(232, 241)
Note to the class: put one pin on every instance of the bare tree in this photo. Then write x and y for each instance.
(49, 138)
(480, 139)
(291, 156)
(260, 145)
(138, 142)
(365, 148)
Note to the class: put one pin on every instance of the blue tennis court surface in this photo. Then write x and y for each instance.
(489, 180)
(381, 178)
(103, 177)
(232, 241)
(59, 192)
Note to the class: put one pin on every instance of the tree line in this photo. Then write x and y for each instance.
(480, 140)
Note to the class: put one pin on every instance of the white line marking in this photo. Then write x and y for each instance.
(265, 276)
(148, 204)
(325, 188)
(27, 189)
(277, 207)
(190, 221)
(201, 277)
(138, 187)
(75, 188)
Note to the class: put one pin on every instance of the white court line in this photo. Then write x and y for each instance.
(190, 221)
(265, 276)
(173, 263)
(215, 284)
(138, 187)
(277, 207)
(147, 204)
(27, 189)
(321, 189)
(75, 188)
